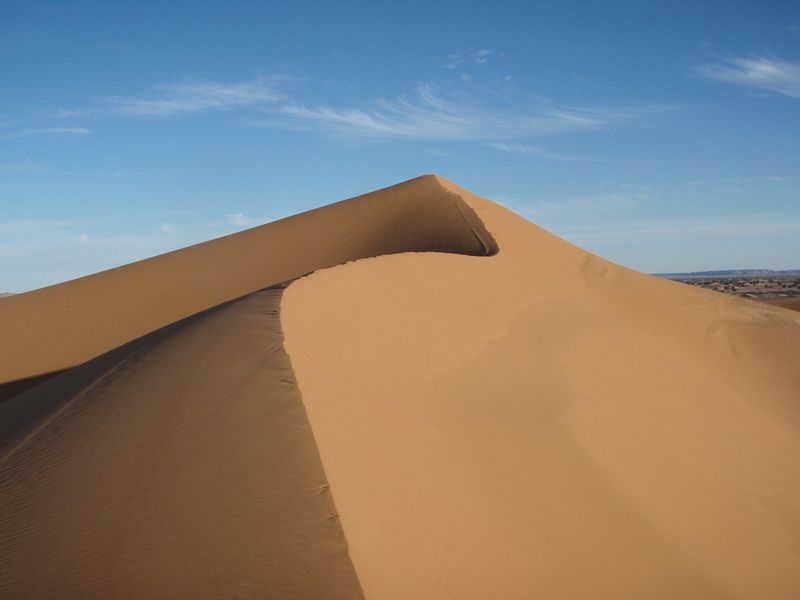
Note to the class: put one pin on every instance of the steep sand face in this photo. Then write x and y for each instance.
(83, 318)
(180, 465)
(543, 423)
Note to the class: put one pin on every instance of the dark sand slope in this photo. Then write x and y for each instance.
(55, 328)
(180, 465)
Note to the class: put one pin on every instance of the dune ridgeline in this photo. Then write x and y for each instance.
(414, 393)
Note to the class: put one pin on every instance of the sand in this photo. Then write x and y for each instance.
(91, 315)
(179, 465)
(790, 303)
(479, 410)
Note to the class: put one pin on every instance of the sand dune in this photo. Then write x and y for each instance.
(88, 316)
(528, 422)
(790, 303)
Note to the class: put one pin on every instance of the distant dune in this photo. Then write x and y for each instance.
(414, 393)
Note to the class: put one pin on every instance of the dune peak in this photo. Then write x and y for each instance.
(414, 393)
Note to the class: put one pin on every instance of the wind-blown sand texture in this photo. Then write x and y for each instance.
(476, 409)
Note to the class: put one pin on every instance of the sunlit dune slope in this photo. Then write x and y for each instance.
(545, 424)
(506, 417)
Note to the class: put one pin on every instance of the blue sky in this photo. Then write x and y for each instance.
(663, 136)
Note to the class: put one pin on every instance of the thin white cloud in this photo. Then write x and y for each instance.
(47, 131)
(432, 114)
(481, 56)
(20, 227)
(528, 150)
(429, 112)
(454, 61)
(763, 73)
(451, 61)
(33, 225)
(192, 97)
(740, 226)
(591, 205)
(542, 153)
(240, 220)
(167, 227)
(20, 168)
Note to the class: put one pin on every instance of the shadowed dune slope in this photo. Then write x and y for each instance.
(55, 328)
(180, 465)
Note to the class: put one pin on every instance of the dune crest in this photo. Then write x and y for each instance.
(85, 317)
(448, 402)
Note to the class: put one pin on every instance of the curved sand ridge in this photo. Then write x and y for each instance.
(540, 423)
(83, 318)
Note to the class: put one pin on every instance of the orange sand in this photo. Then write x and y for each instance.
(528, 422)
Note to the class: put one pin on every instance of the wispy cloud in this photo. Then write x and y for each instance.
(451, 61)
(528, 150)
(459, 112)
(542, 153)
(481, 56)
(592, 205)
(764, 73)
(240, 220)
(739, 226)
(20, 168)
(26, 227)
(192, 97)
(47, 131)
(20, 227)
(434, 114)
(476, 57)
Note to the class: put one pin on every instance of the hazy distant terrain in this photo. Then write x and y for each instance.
(754, 287)
(743, 273)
